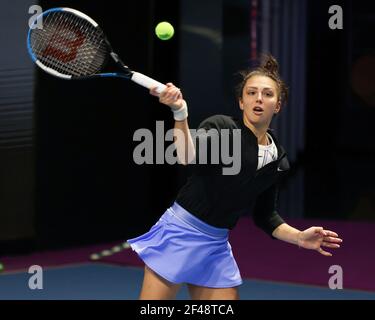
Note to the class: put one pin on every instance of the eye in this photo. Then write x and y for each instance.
(251, 93)
(269, 94)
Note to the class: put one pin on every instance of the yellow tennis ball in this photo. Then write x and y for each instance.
(164, 30)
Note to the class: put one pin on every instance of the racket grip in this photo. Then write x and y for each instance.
(147, 82)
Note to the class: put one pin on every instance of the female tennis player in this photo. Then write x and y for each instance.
(189, 243)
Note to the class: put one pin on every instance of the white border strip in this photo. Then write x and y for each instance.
(80, 14)
(51, 71)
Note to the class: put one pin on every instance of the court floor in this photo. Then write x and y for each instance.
(98, 281)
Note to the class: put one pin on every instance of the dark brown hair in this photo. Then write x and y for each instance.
(269, 68)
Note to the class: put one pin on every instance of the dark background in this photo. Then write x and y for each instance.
(340, 153)
(84, 186)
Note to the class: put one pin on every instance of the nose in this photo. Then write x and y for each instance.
(259, 97)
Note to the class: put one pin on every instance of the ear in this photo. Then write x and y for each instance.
(278, 107)
(240, 103)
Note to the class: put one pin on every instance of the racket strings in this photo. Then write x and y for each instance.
(69, 44)
(87, 52)
(76, 69)
(47, 38)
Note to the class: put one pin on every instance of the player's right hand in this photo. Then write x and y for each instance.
(170, 96)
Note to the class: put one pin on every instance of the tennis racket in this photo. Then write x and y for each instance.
(71, 45)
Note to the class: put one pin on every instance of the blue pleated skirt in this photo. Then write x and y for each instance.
(183, 249)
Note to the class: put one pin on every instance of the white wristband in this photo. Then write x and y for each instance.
(180, 114)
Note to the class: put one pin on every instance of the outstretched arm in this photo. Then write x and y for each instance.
(313, 238)
(172, 97)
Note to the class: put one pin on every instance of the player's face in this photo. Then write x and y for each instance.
(260, 100)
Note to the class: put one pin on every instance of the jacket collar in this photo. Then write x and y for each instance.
(247, 131)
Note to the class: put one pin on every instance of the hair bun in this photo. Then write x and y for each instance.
(269, 64)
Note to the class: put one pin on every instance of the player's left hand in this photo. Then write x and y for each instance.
(315, 238)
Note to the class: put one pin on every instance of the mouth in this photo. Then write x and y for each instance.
(258, 110)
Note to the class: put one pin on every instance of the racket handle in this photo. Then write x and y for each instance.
(147, 82)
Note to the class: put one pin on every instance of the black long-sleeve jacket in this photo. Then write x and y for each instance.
(220, 200)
